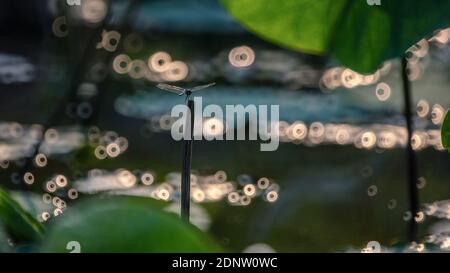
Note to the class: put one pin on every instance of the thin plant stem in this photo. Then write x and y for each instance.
(413, 194)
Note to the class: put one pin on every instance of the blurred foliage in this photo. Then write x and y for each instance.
(18, 223)
(125, 224)
(446, 132)
(4, 246)
(359, 35)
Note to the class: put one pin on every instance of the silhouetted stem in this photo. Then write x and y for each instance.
(411, 156)
(186, 172)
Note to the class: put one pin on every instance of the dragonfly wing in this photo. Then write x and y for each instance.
(171, 88)
(200, 87)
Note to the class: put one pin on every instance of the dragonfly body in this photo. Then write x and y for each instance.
(183, 91)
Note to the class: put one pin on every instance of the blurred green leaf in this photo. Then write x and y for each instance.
(4, 246)
(445, 134)
(124, 224)
(359, 35)
(17, 222)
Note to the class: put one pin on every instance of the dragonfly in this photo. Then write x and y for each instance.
(180, 91)
(187, 148)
